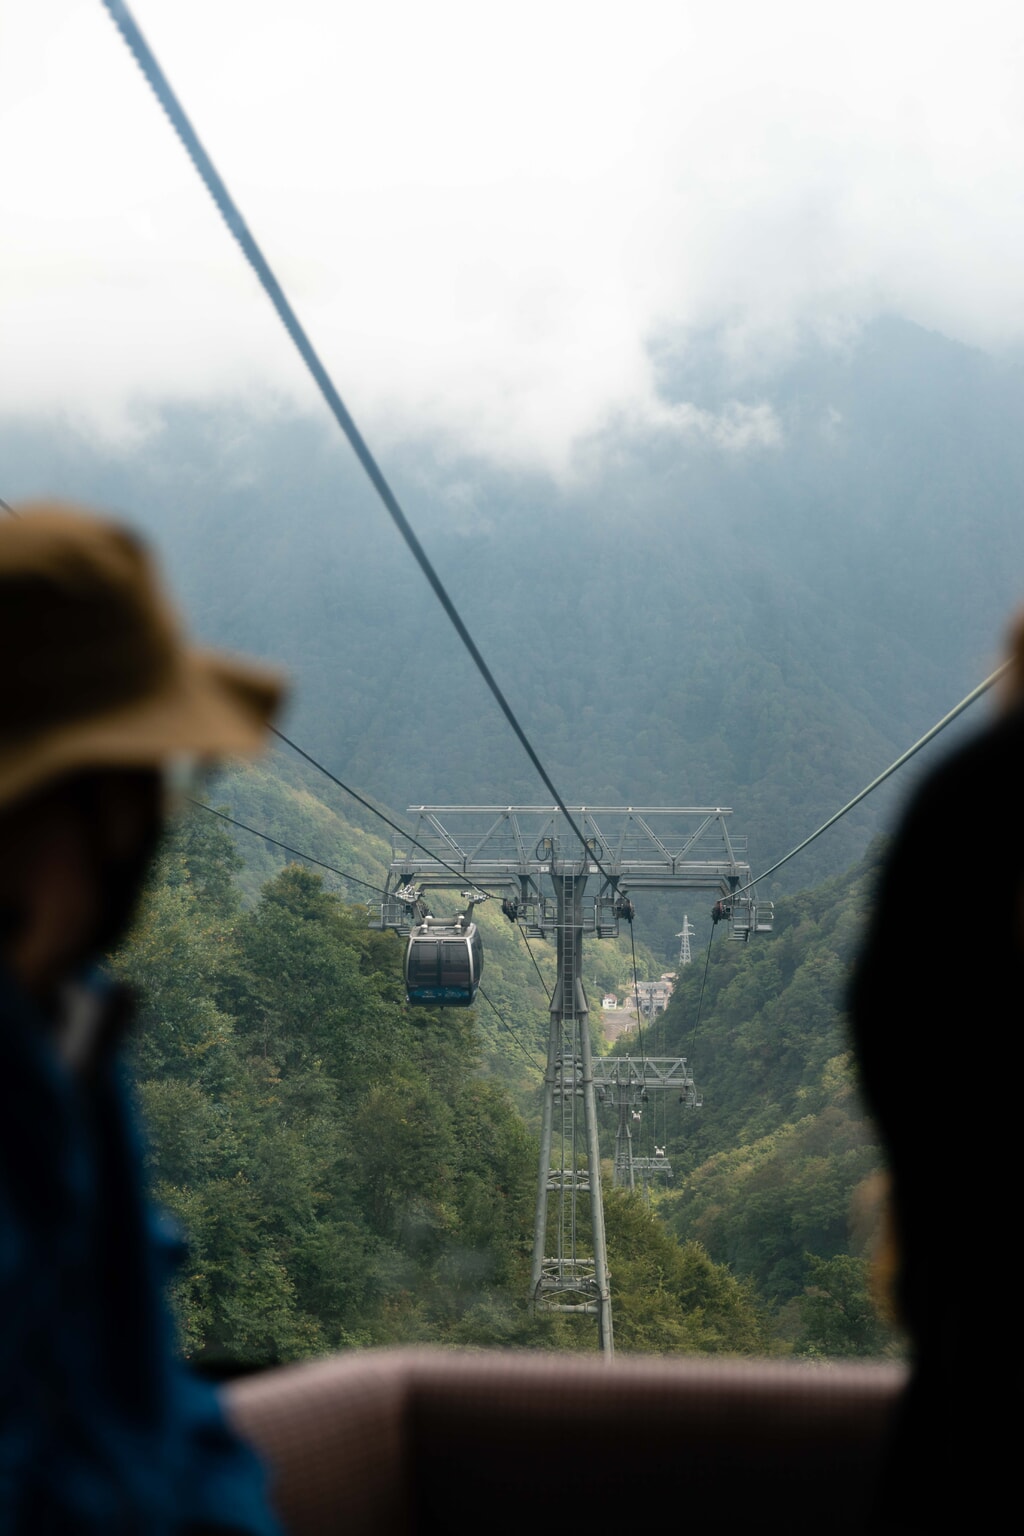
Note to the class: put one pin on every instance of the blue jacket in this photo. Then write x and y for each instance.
(102, 1428)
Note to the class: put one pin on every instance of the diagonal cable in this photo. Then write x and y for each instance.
(533, 957)
(504, 1022)
(700, 1000)
(460, 874)
(306, 857)
(230, 213)
(928, 736)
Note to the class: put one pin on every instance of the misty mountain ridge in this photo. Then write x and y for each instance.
(762, 621)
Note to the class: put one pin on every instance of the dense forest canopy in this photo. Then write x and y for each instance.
(352, 1172)
(764, 622)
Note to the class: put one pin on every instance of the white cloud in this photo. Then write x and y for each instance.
(484, 214)
(738, 427)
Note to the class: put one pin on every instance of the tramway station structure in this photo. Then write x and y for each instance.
(541, 866)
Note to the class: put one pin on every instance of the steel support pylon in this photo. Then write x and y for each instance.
(627, 1085)
(543, 863)
(565, 1276)
(624, 1176)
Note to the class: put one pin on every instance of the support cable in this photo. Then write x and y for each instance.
(636, 999)
(928, 736)
(307, 858)
(460, 874)
(129, 29)
(700, 1000)
(905, 757)
(536, 967)
(503, 1021)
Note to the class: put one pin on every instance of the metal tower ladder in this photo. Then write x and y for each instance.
(563, 1278)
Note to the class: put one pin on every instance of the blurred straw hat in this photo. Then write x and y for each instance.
(94, 668)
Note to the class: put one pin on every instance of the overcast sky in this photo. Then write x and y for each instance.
(485, 214)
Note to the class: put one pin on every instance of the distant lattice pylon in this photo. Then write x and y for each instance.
(684, 941)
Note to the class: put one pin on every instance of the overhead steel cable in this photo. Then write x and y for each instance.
(928, 736)
(904, 757)
(636, 999)
(460, 874)
(700, 1000)
(503, 1021)
(533, 957)
(306, 857)
(230, 213)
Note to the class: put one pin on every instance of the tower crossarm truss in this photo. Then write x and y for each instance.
(561, 881)
(649, 1072)
(519, 848)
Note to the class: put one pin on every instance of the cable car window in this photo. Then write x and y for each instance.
(424, 962)
(455, 969)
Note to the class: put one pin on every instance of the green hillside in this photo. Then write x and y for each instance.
(353, 1172)
(779, 1175)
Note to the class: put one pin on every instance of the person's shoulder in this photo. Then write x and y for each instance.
(988, 762)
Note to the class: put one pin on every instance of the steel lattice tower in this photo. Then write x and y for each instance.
(626, 1084)
(684, 938)
(545, 866)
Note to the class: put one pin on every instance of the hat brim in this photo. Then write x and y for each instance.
(212, 706)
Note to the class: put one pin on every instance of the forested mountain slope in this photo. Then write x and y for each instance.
(779, 1174)
(350, 1171)
(756, 597)
(283, 802)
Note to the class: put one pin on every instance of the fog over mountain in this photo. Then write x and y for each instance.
(757, 602)
(483, 226)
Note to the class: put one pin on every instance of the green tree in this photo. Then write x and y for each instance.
(670, 1297)
(838, 1313)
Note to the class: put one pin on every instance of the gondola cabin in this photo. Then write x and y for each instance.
(443, 963)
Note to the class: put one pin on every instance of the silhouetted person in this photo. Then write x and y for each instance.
(102, 1429)
(934, 1001)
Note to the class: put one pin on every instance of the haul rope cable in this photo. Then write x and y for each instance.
(460, 874)
(636, 999)
(533, 957)
(928, 736)
(230, 213)
(306, 857)
(703, 984)
(905, 757)
(525, 1049)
